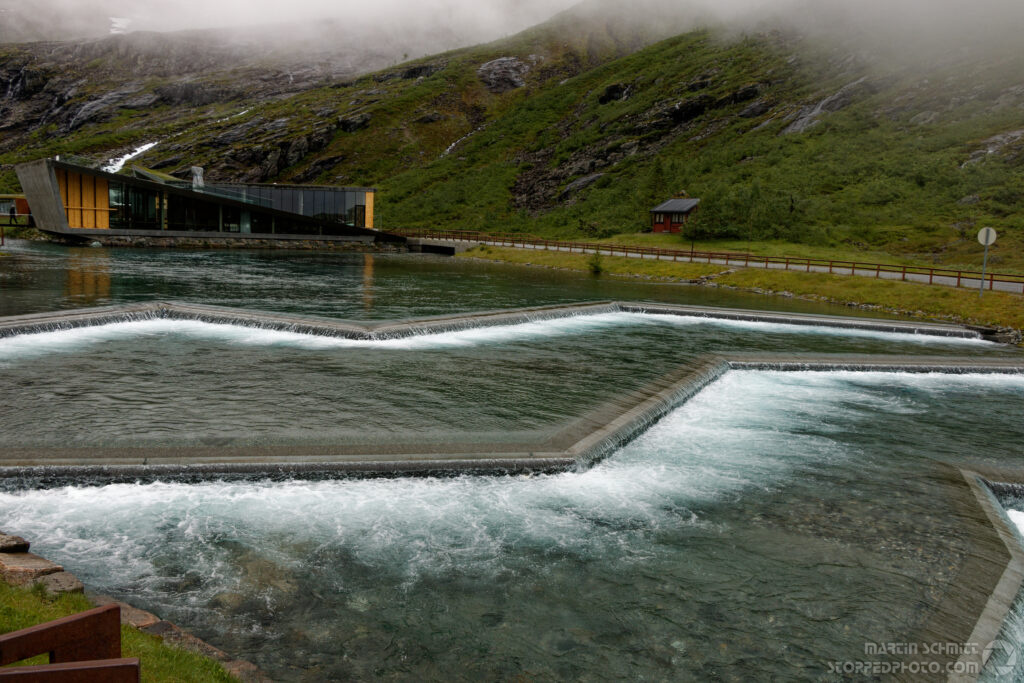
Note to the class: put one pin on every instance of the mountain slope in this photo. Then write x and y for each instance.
(579, 126)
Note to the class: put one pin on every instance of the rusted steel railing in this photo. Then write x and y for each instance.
(930, 275)
(82, 647)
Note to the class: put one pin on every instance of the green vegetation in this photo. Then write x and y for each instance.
(919, 300)
(903, 170)
(611, 265)
(22, 607)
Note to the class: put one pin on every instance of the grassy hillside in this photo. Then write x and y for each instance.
(780, 138)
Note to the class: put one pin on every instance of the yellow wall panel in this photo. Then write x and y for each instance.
(74, 200)
(102, 203)
(62, 183)
(88, 201)
(369, 209)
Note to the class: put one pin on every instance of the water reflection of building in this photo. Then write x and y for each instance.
(87, 275)
(69, 199)
(368, 281)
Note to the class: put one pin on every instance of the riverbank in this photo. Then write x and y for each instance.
(33, 590)
(921, 301)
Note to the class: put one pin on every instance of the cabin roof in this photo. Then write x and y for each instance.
(676, 206)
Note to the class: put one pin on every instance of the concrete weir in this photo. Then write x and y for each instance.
(973, 614)
(584, 440)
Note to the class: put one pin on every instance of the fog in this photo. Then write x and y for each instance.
(908, 26)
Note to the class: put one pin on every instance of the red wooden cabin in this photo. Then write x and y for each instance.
(673, 214)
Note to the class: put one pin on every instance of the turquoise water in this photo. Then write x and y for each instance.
(773, 524)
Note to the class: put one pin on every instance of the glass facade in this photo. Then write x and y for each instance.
(334, 204)
(135, 208)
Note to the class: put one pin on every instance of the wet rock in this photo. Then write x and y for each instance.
(100, 109)
(22, 569)
(140, 102)
(351, 124)
(503, 74)
(242, 131)
(688, 110)
(756, 109)
(809, 116)
(193, 94)
(296, 151)
(744, 94)
(614, 92)
(924, 118)
(421, 71)
(129, 615)
(579, 184)
(60, 582)
(13, 544)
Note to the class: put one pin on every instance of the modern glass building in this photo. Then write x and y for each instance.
(70, 199)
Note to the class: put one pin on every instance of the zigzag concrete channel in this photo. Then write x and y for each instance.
(992, 577)
(586, 439)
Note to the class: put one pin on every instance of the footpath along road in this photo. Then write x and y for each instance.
(937, 276)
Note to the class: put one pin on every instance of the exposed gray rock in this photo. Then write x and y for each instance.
(421, 71)
(140, 102)
(503, 74)
(60, 582)
(1005, 144)
(13, 544)
(924, 118)
(744, 94)
(102, 108)
(432, 117)
(579, 184)
(969, 200)
(296, 151)
(808, 117)
(752, 111)
(351, 124)
(194, 94)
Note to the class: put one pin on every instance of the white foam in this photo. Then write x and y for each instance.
(1017, 517)
(747, 432)
(790, 328)
(68, 340)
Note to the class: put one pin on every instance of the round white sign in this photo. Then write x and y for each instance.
(987, 236)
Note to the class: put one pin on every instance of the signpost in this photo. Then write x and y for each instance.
(986, 236)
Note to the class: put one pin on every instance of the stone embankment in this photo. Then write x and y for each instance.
(19, 567)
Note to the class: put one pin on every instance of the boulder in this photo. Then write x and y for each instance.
(13, 544)
(503, 74)
(60, 582)
(615, 91)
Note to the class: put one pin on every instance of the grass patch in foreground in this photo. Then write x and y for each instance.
(24, 607)
(613, 265)
(995, 308)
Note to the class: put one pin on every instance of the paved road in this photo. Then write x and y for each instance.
(946, 280)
